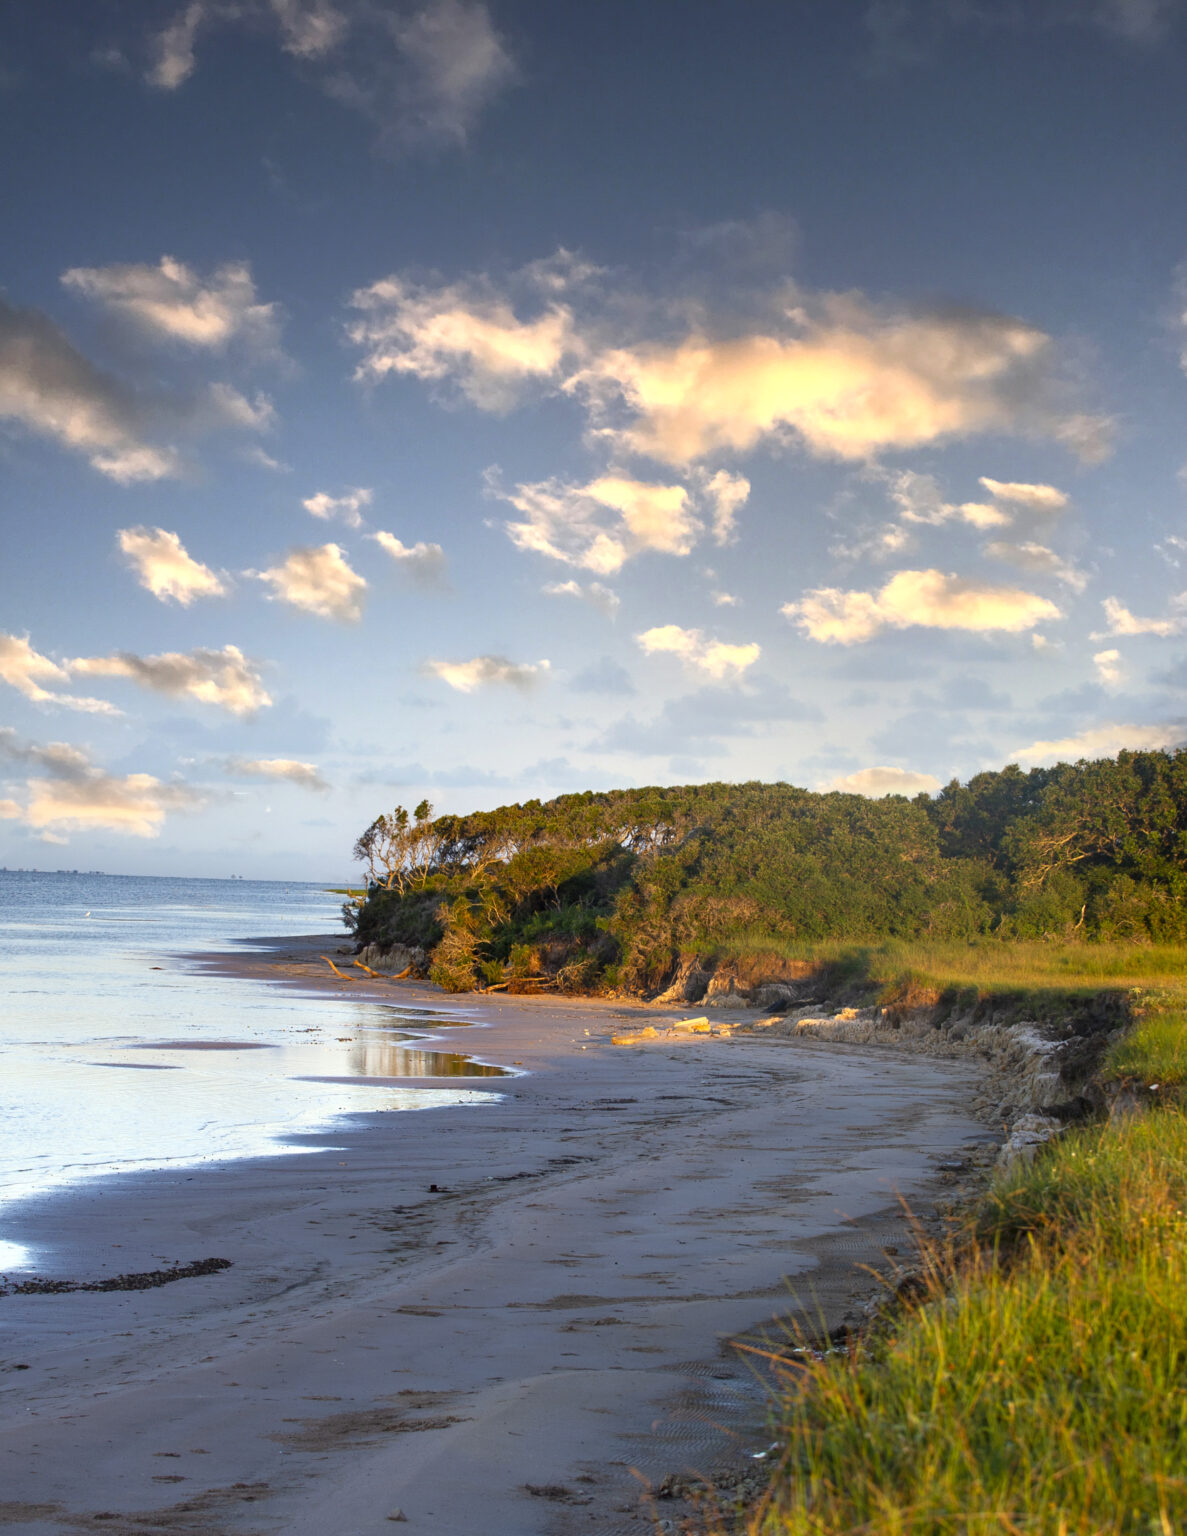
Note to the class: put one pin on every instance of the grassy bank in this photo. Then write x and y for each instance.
(1040, 1386)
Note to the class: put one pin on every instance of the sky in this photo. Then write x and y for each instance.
(487, 401)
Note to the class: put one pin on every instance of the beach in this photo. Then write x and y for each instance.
(509, 1317)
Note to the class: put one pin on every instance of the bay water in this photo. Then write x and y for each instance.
(118, 1054)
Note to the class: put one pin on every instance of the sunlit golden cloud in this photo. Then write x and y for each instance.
(1102, 741)
(171, 302)
(164, 567)
(875, 783)
(26, 670)
(481, 671)
(716, 658)
(285, 769)
(226, 677)
(928, 599)
(319, 581)
(73, 795)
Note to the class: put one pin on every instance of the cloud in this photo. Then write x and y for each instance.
(171, 302)
(1102, 741)
(74, 795)
(466, 676)
(25, 669)
(929, 599)
(165, 568)
(1035, 498)
(422, 75)
(226, 678)
(306, 775)
(919, 499)
(456, 64)
(49, 387)
(319, 581)
(1108, 668)
(844, 378)
(1122, 622)
(348, 507)
(1140, 21)
(466, 334)
(714, 657)
(724, 600)
(600, 525)
(1040, 560)
(173, 59)
(706, 720)
(600, 597)
(727, 494)
(425, 563)
(604, 676)
(874, 783)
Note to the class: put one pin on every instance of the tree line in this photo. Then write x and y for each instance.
(615, 889)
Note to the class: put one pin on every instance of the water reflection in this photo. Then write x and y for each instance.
(381, 1059)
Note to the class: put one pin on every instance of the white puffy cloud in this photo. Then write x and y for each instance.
(845, 379)
(715, 658)
(466, 676)
(1029, 556)
(348, 507)
(929, 599)
(465, 333)
(1122, 622)
(1108, 667)
(601, 525)
(1034, 498)
(290, 769)
(171, 302)
(318, 580)
(165, 568)
(25, 669)
(226, 678)
(724, 599)
(874, 783)
(599, 596)
(72, 794)
(425, 563)
(1102, 741)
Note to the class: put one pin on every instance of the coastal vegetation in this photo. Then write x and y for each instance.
(1035, 1383)
(1030, 1376)
(1082, 867)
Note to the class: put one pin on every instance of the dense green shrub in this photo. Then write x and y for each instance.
(626, 884)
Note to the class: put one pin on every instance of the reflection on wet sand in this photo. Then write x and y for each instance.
(387, 1060)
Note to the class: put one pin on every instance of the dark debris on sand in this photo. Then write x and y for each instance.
(146, 1281)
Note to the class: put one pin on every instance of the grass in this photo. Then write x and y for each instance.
(989, 966)
(1041, 1384)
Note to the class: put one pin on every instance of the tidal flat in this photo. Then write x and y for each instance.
(511, 1318)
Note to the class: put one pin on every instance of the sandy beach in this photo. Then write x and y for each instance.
(505, 1319)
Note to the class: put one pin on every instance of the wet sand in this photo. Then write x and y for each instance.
(515, 1352)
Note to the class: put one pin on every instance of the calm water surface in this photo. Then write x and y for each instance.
(115, 1055)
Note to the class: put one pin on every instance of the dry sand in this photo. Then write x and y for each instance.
(490, 1359)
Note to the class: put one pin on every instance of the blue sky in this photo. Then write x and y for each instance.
(485, 401)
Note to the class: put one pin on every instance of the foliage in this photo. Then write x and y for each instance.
(620, 887)
(1038, 1385)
